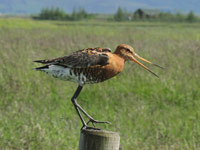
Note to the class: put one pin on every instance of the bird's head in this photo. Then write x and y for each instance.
(127, 52)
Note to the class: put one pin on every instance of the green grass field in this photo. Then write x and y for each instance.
(149, 113)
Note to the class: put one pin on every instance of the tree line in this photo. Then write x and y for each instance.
(154, 15)
(120, 15)
(59, 14)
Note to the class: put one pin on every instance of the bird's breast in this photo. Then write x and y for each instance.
(101, 73)
(114, 67)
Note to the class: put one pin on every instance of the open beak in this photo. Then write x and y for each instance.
(137, 56)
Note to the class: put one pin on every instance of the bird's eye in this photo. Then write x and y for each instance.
(128, 50)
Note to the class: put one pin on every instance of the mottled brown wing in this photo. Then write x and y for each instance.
(81, 59)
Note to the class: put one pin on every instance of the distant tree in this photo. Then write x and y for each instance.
(80, 14)
(147, 14)
(120, 15)
(162, 16)
(139, 13)
(52, 14)
(179, 17)
(191, 17)
(59, 14)
(74, 15)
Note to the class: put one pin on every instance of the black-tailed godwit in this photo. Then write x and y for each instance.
(91, 65)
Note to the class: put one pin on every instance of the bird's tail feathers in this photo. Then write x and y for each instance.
(42, 68)
(40, 61)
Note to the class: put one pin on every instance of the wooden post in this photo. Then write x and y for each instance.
(99, 140)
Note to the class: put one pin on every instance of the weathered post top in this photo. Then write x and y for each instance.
(91, 139)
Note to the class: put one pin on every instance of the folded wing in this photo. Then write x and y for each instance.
(81, 59)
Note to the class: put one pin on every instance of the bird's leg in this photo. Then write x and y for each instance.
(78, 90)
(78, 107)
(89, 117)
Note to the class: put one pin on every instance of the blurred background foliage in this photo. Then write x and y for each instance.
(120, 15)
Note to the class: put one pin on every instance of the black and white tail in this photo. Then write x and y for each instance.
(42, 68)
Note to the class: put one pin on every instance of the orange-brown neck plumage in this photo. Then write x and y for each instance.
(124, 51)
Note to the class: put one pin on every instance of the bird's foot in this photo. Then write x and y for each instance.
(93, 123)
(87, 127)
(96, 121)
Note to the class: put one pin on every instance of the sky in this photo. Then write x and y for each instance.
(98, 6)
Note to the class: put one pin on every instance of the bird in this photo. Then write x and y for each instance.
(89, 66)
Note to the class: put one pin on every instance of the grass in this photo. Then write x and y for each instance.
(150, 113)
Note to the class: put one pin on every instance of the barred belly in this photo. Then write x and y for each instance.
(78, 75)
(89, 75)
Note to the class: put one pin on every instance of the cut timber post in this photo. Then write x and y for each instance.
(99, 140)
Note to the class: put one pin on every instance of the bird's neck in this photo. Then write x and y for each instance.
(119, 54)
(118, 62)
(114, 67)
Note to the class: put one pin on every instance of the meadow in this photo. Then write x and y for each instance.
(36, 112)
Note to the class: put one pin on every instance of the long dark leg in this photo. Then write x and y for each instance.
(89, 117)
(78, 90)
(78, 107)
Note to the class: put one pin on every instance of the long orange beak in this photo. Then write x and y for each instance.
(136, 55)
